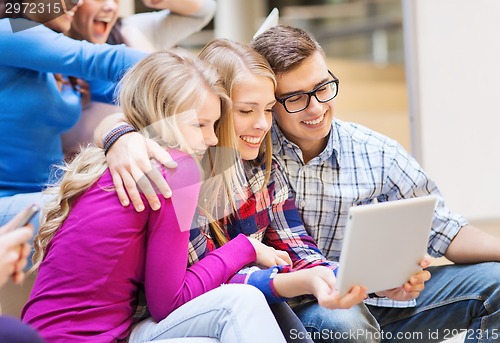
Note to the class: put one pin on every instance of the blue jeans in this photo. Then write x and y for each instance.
(10, 206)
(230, 313)
(327, 326)
(457, 297)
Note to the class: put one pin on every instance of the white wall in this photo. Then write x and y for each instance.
(453, 71)
(238, 19)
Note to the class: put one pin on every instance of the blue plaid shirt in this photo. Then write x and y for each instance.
(358, 166)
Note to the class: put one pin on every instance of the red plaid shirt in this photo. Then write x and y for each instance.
(270, 216)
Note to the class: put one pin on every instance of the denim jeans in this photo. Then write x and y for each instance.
(343, 325)
(230, 313)
(457, 297)
(10, 206)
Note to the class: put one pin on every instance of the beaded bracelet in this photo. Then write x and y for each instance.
(114, 134)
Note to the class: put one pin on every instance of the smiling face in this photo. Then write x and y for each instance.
(94, 20)
(310, 127)
(197, 126)
(253, 100)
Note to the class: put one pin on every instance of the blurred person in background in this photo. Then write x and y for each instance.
(97, 21)
(38, 103)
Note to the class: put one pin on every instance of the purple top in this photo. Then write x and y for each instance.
(87, 284)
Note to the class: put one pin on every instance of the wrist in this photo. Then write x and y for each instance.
(115, 134)
(256, 244)
(289, 285)
(106, 125)
(264, 281)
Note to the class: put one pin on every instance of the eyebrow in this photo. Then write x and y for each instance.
(202, 120)
(303, 91)
(254, 103)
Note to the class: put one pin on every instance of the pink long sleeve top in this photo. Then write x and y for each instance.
(87, 285)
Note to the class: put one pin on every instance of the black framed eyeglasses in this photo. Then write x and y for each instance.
(299, 101)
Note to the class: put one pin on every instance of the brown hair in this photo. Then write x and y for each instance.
(285, 47)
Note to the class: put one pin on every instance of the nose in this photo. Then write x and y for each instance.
(211, 139)
(262, 122)
(110, 5)
(314, 105)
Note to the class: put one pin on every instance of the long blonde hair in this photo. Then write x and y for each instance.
(234, 61)
(161, 85)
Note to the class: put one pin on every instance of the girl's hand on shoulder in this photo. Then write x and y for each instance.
(129, 162)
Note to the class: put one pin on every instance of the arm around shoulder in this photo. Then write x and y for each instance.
(44, 50)
(128, 160)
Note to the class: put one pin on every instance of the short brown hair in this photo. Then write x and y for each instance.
(285, 47)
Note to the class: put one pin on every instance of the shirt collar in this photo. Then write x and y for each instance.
(280, 143)
(279, 139)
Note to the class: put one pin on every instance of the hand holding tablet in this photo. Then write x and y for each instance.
(412, 288)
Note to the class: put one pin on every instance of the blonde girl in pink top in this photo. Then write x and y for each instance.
(94, 256)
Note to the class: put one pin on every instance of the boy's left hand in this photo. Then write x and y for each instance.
(411, 289)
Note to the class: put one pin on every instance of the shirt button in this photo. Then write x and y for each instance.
(289, 145)
(303, 203)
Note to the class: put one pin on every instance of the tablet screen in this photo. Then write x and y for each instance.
(384, 243)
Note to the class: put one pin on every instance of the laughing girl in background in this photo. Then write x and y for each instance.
(37, 103)
(97, 21)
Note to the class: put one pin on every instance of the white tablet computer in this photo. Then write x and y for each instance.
(384, 243)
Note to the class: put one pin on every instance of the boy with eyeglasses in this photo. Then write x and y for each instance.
(333, 165)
